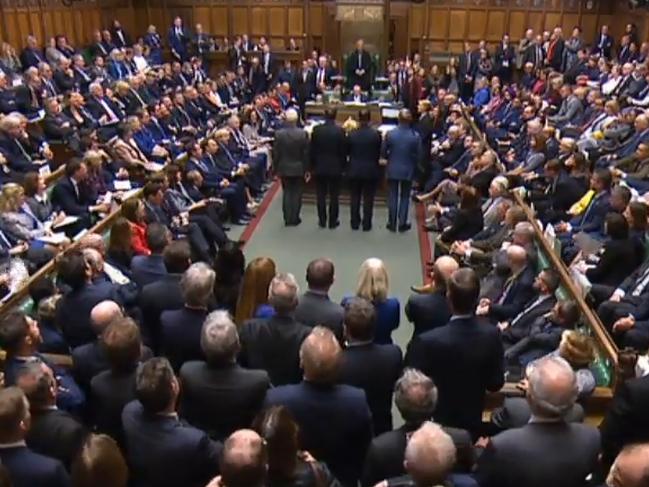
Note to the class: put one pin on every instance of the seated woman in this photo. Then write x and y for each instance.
(253, 298)
(37, 202)
(374, 285)
(99, 180)
(119, 251)
(134, 212)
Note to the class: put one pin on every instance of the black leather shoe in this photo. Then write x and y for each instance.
(391, 228)
(405, 228)
(367, 229)
(333, 225)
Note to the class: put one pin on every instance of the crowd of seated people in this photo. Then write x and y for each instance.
(191, 368)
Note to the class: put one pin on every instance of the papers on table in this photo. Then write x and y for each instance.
(154, 167)
(54, 239)
(68, 220)
(122, 185)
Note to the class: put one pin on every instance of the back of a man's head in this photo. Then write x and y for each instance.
(72, 269)
(415, 396)
(220, 339)
(39, 385)
(157, 237)
(320, 355)
(359, 319)
(122, 343)
(282, 293)
(244, 460)
(631, 467)
(197, 285)
(103, 314)
(552, 389)
(430, 455)
(320, 274)
(463, 289)
(14, 410)
(155, 385)
(443, 269)
(177, 257)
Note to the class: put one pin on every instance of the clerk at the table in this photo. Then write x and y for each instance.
(359, 67)
(357, 95)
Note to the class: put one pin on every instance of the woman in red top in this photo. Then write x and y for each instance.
(133, 211)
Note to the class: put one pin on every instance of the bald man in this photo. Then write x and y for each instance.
(631, 467)
(334, 419)
(517, 290)
(243, 462)
(429, 309)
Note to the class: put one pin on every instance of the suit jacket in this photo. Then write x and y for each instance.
(165, 452)
(520, 324)
(57, 434)
(31, 57)
(109, 392)
(364, 151)
(386, 453)
(328, 150)
(476, 354)
(159, 296)
(181, 335)
(315, 308)
(18, 160)
(73, 311)
(564, 192)
(402, 149)
(290, 152)
(375, 369)
(570, 111)
(466, 224)
(262, 338)
(335, 424)
(88, 360)
(626, 420)
(146, 269)
(517, 291)
(29, 469)
(592, 218)
(506, 461)
(65, 198)
(616, 263)
(220, 399)
(427, 311)
(516, 413)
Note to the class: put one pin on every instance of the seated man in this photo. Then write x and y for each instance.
(357, 95)
(16, 147)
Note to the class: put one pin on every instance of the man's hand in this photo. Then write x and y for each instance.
(624, 324)
(21, 248)
(482, 442)
(101, 208)
(503, 325)
(561, 227)
(615, 298)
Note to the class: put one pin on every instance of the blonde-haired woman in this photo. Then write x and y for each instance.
(253, 298)
(374, 285)
(9, 59)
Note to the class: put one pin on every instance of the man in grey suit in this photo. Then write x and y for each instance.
(314, 306)
(290, 159)
(547, 450)
(571, 108)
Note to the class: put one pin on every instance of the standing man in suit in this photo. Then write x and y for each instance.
(220, 396)
(290, 160)
(335, 422)
(363, 170)
(402, 149)
(162, 450)
(603, 43)
(464, 358)
(367, 365)
(267, 61)
(314, 306)
(467, 71)
(505, 59)
(547, 438)
(328, 156)
(25, 467)
(359, 67)
(178, 39)
(261, 339)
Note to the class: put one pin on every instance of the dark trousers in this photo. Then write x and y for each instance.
(367, 189)
(327, 186)
(212, 231)
(398, 202)
(292, 188)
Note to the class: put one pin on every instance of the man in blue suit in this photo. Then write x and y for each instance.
(146, 269)
(335, 421)
(25, 468)
(162, 450)
(178, 39)
(402, 149)
(464, 358)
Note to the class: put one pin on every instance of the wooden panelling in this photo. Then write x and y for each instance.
(438, 24)
(568, 22)
(202, 16)
(219, 24)
(277, 21)
(239, 20)
(416, 19)
(295, 21)
(258, 21)
(589, 26)
(316, 17)
(23, 24)
(517, 24)
(495, 25)
(552, 20)
(535, 21)
(457, 23)
(477, 24)
(36, 26)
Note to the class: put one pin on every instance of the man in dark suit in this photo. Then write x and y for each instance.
(415, 396)
(31, 56)
(165, 293)
(429, 309)
(516, 291)
(335, 422)
(146, 269)
(290, 160)
(304, 86)
(328, 156)
(505, 58)
(468, 68)
(402, 149)
(359, 67)
(534, 53)
(162, 450)
(464, 358)
(113, 388)
(120, 36)
(314, 306)
(356, 95)
(603, 43)
(219, 396)
(25, 467)
(267, 62)
(256, 77)
(181, 328)
(53, 432)
(561, 193)
(367, 365)
(547, 438)
(262, 338)
(16, 147)
(179, 40)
